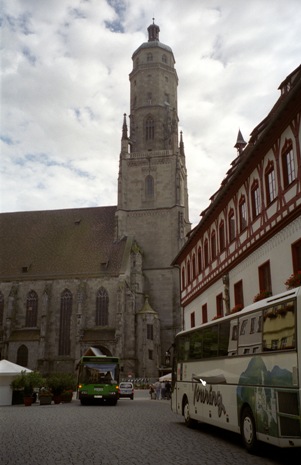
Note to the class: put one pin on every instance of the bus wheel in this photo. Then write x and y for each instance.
(248, 430)
(190, 422)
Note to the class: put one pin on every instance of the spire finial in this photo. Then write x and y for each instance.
(240, 142)
(124, 128)
(181, 143)
(153, 32)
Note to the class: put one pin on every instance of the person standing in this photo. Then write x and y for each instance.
(158, 389)
(163, 390)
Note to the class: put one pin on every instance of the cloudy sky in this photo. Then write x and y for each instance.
(65, 87)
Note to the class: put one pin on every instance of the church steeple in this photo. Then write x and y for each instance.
(152, 204)
(154, 106)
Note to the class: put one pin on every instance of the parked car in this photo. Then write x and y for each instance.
(126, 389)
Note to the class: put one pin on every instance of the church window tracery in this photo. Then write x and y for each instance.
(31, 309)
(149, 129)
(65, 322)
(102, 307)
(149, 186)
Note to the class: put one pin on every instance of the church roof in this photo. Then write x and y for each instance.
(60, 243)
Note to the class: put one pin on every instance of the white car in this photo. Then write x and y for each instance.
(126, 389)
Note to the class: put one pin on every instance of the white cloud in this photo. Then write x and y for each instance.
(65, 87)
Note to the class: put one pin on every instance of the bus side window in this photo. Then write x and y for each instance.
(224, 338)
(210, 342)
(196, 345)
(279, 332)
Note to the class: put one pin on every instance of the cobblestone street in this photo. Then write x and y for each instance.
(139, 432)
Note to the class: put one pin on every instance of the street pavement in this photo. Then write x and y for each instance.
(138, 432)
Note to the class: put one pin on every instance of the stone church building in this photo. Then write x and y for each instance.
(102, 277)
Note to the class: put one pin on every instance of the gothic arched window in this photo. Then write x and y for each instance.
(31, 309)
(65, 323)
(102, 307)
(149, 129)
(22, 356)
(149, 186)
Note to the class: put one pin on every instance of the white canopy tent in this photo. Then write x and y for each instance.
(165, 378)
(8, 371)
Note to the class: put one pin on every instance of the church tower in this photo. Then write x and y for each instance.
(152, 182)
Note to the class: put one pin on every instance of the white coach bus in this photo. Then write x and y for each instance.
(242, 372)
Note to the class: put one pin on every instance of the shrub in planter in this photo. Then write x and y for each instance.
(60, 382)
(67, 395)
(262, 295)
(294, 280)
(26, 382)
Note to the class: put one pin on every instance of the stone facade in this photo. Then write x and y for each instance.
(102, 277)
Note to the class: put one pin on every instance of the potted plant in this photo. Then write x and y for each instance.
(59, 383)
(45, 396)
(294, 280)
(262, 295)
(67, 395)
(237, 308)
(27, 382)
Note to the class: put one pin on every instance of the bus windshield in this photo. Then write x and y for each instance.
(98, 373)
(98, 379)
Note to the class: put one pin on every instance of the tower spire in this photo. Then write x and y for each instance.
(181, 144)
(240, 143)
(124, 138)
(124, 128)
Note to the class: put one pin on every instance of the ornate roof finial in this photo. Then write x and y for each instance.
(181, 143)
(124, 128)
(153, 31)
(240, 143)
